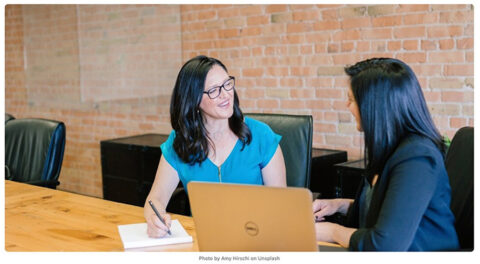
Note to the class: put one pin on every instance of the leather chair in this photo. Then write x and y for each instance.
(459, 165)
(34, 151)
(8, 117)
(296, 144)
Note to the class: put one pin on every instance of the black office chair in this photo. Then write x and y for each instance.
(296, 144)
(8, 117)
(459, 165)
(34, 151)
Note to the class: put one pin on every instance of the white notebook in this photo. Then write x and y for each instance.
(135, 235)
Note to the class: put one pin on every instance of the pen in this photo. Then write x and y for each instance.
(158, 215)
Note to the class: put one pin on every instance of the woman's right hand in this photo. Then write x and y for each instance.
(155, 228)
(326, 207)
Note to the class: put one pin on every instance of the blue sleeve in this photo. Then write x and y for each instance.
(410, 189)
(269, 141)
(168, 152)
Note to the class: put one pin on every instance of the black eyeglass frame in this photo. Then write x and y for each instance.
(212, 90)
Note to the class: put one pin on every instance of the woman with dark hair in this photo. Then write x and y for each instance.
(403, 203)
(211, 140)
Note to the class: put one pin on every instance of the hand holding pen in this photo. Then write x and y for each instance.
(158, 224)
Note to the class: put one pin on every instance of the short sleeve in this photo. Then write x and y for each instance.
(168, 152)
(266, 139)
(271, 141)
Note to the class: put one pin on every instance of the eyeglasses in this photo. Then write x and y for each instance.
(227, 86)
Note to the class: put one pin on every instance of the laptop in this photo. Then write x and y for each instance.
(237, 217)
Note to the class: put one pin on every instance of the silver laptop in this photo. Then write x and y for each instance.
(235, 217)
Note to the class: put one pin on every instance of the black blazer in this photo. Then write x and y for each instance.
(410, 206)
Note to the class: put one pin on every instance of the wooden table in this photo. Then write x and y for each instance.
(42, 219)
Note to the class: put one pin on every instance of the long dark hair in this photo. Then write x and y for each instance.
(191, 141)
(391, 106)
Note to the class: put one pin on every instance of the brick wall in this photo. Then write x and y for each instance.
(286, 58)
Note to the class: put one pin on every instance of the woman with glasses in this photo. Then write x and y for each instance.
(211, 140)
(404, 201)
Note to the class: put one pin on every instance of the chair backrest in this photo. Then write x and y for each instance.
(8, 117)
(34, 149)
(296, 144)
(459, 165)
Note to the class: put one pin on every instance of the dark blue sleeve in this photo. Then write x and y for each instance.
(411, 186)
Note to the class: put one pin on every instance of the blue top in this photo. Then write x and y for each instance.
(241, 166)
(410, 204)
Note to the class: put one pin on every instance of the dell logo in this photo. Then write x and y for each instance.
(251, 228)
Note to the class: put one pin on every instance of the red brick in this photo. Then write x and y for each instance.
(377, 33)
(275, 8)
(432, 96)
(325, 128)
(428, 45)
(301, 7)
(386, 21)
(331, 14)
(410, 44)
(348, 46)
(418, 19)
(306, 49)
(251, 31)
(228, 33)
(291, 82)
(257, 20)
(317, 37)
(362, 22)
(252, 72)
(346, 35)
(414, 57)
(250, 10)
(409, 32)
(448, 96)
(292, 104)
(407, 8)
(457, 122)
(446, 44)
(427, 69)
(443, 31)
(363, 46)
(465, 43)
(394, 45)
(268, 103)
(329, 93)
(446, 56)
(227, 12)
(302, 93)
(319, 104)
(302, 71)
(458, 70)
(277, 71)
(450, 7)
(308, 15)
(456, 17)
(298, 27)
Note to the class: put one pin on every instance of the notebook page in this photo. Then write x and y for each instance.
(135, 235)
